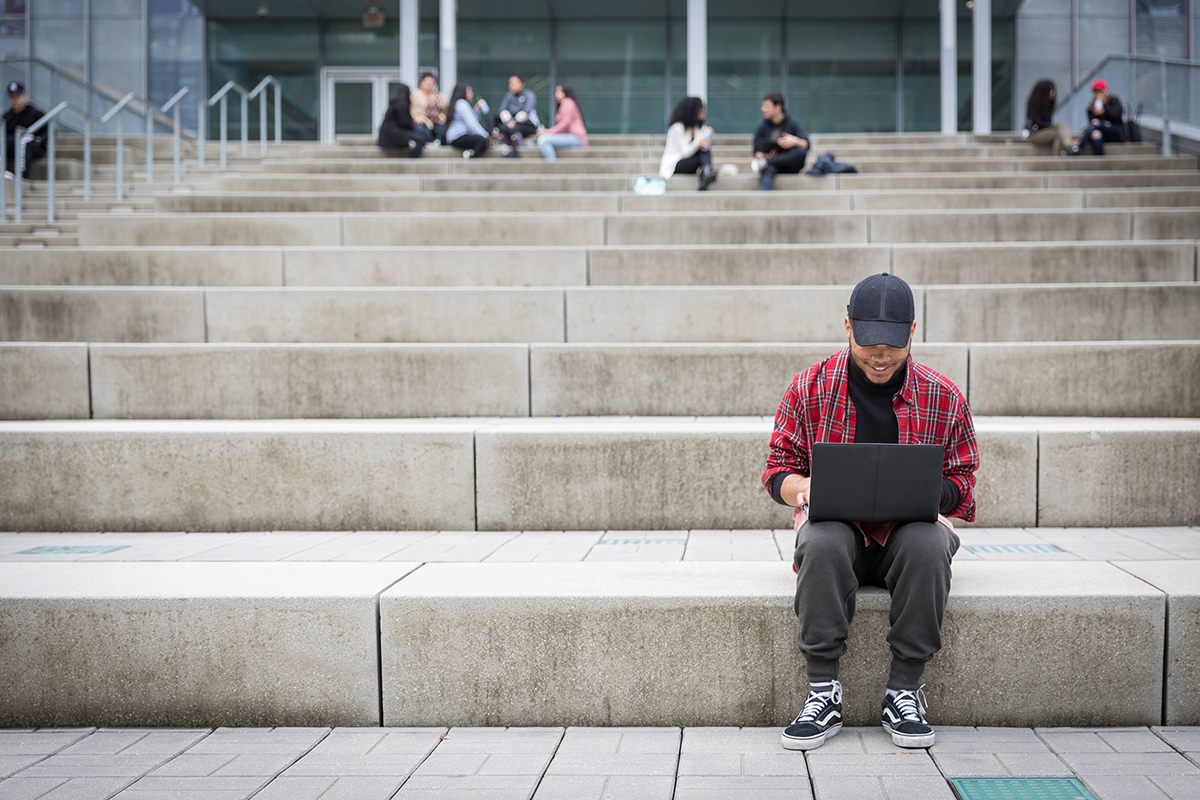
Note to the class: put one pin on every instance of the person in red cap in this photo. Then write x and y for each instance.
(871, 392)
(1105, 121)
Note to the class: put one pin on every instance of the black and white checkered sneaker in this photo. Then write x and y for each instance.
(820, 718)
(904, 718)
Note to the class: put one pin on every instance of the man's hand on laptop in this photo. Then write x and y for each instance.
(794, 490)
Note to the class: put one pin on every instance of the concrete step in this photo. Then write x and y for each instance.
(687, 228)
(316, 381)
(202, 475)
(525, 617)
(997, 313)
(530, 644)
(637, 265)
(458, 202)
(649, 166)
(301, 640)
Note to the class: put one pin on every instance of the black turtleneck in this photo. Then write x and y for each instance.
(875, 418)
(875, 423)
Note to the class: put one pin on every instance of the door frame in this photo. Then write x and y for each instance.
(378, 77)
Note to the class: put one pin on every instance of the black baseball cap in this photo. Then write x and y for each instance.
(881, 311)
(16, 88)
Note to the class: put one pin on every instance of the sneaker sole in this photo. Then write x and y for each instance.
(809, 743)
(908, 739)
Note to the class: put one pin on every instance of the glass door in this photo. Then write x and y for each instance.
(354, 100)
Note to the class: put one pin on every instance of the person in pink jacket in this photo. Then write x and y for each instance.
(568, 130)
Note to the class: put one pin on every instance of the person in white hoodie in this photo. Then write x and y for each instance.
(689, 143)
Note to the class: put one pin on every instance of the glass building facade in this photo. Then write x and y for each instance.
(871, 66)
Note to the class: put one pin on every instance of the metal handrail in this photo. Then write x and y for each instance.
(201, 124)
(261, 89)
(219, 97)
(113, 112)
(23, 136)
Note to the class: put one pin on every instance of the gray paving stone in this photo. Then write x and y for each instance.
(1103, 740)
(620, 740)
(731, 546)
(152, 788)
(613, 764)
(13, 764)
(723, 740)
(368, 752)
(42, 743)
(1185, 740)
(605, 787)
(61, 788)
(93, 766)
(469, 787)
(861, 741)
(1178, 787)
(500, 740)
(639, 546)
(1112, 787)
(954, 739)
(453, 546)
(1128, 764)
(362, 546)
(464, 764)
(883, 788)
(1143, 741)
(1000, 765)
(260, 741)
(201, 765)
(826, 766)
(330, 788)
(547, 546)
(744, 788)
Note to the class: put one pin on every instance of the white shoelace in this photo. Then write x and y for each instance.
(912, 705)
(816, 700)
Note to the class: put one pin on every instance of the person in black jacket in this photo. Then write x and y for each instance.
(1104, 121)
(398, 131)
(21, 115)
(1040, 127)
(780, 143)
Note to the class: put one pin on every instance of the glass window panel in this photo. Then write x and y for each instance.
(1043, 57)
(352, 107)
(177, 60)
(842, 74)
(116, 8)
(179, 7)
(743, 65)
(249, 50)
(57, 8)
(349, 44)
(1003, 47)
(1100, 37)
(61, 42)
(12, 7)
(117, 55)
(427, 47)
(1104, 8)
(1162, 28)
(617, 69)
(678, 63)
(489, 51)
(1046, 8)
(12, 37)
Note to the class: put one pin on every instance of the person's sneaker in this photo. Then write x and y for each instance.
(904, 718)
(708, 176)
(468, 153)
(757, 165)
(820, 718)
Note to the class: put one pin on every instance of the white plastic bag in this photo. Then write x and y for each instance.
(644, 185)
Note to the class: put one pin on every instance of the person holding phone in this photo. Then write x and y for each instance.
(689, 144)
(1105, 121)
(871, 392)
(463, 130)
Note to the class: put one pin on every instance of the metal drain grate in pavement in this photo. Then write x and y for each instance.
(1020, 789)
(73, 550)
(1013, 548)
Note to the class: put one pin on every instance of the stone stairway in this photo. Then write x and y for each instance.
(347, 347)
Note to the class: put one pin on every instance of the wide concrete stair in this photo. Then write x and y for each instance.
(355, 350)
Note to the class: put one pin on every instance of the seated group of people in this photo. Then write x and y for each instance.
(1105, 118)
(414, 119)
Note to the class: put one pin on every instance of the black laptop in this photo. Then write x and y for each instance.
(875, 482)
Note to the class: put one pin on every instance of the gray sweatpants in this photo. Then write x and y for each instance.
(832, 562)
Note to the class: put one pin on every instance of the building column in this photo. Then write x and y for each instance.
(409, 39)
(949, 67)
(981, 68)
(448, 36)
(697, 49)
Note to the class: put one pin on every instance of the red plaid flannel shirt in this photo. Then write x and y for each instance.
(929, 410)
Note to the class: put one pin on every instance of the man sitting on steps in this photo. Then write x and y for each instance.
(871, 392)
